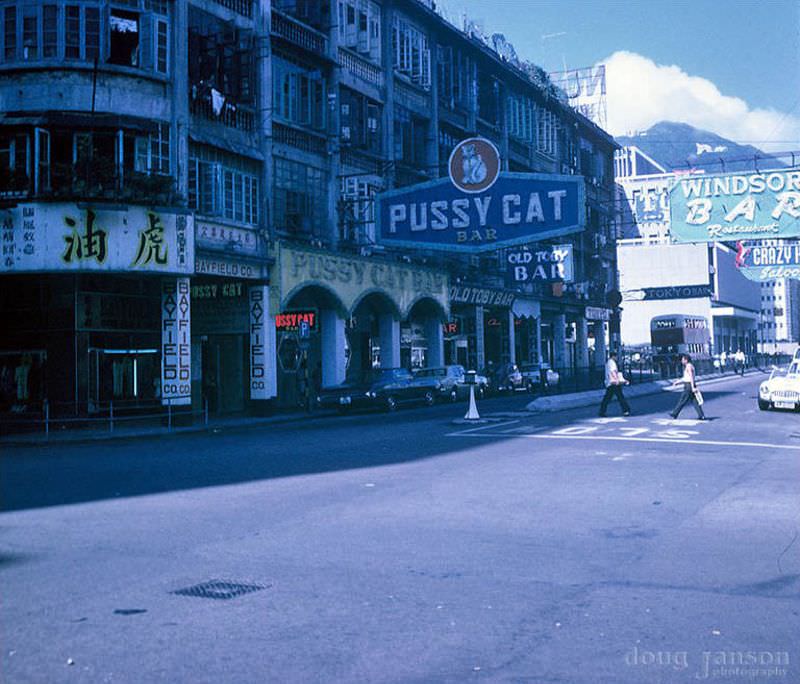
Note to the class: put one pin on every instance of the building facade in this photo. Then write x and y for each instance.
(659, 277)
(187, 194)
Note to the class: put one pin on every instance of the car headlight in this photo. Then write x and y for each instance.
(764, 389)
(370, 395)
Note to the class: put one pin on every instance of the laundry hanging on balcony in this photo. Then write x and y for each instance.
(217, 101)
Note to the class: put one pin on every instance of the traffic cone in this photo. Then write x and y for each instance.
(472, 413)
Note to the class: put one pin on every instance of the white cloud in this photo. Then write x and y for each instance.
(641, 93)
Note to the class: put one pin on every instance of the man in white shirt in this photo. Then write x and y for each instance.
(740, 359)
(614, 383)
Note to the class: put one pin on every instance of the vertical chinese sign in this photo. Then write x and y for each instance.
(176, 348)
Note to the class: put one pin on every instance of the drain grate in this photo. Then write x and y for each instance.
(218, 589)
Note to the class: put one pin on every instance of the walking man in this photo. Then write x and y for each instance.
(689, 389)
(614, 383)
(740, 359)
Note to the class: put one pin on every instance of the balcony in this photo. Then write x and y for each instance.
(360, 67)
(238, 116)
(412, 97)
(99, 179)
(455, 116)
(298, 34)
(243, 7)
(300, 139)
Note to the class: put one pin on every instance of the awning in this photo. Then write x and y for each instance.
(78, 120)
(215, 140)
(526, 308)
(733, 312)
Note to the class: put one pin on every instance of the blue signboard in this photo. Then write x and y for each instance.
(747, 206)
(769, 260)
(517, 209)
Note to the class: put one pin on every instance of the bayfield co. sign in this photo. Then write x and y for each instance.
(478, 208)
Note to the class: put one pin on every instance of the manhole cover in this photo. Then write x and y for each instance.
(218, 589)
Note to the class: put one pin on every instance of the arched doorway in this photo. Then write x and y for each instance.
(307, 362)
(422, 335)
(373, 335)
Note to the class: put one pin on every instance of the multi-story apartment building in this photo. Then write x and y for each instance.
(658, 277)
(188, 200)
(779, 327)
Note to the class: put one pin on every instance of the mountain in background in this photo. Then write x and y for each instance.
(678, 146)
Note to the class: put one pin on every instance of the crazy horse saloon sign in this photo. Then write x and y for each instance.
(769, 259)
(478, 208)
(748, 206)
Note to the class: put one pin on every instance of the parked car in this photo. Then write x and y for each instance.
(538, 376)
(782, 389)
(384, 388)
(506, 378)
(452, 381)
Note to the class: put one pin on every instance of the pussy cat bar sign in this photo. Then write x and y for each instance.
(478, 208)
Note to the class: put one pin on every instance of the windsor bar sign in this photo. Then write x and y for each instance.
(478, 208)
(754, 206)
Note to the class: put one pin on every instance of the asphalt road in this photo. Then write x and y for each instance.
(406, 548)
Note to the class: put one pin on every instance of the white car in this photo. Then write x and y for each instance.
(782, 390)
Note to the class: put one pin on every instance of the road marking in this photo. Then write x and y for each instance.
(664, 440)
(483, 427)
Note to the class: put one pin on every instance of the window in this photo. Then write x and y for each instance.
(357, 214)
(10, 33)
(50, 31)
(300, 198)
(521, 115)
(298, 94)
(91, 19)
(546, 131)
(360, 120)
(412, 57)
(72, 32)
(30, 34)
(360, 27)
(161, 46)
(224, 185)
(124, 38)
(151, 152)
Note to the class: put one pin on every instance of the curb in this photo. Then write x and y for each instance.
(593, 397)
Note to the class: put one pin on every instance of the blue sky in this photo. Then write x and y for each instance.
(731, 63)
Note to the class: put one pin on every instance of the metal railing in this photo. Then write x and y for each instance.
(99, 416)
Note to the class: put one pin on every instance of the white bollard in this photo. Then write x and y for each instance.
(472, 413)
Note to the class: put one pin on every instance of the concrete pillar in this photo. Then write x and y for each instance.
(480, 353)
(582, 342)
(560, 341)
(389, 332)
(331, 231)
(599, 343)
(539, 339)
(264, 95)
(333, 347)
(512, 338)
(180, 103)
(435, 337)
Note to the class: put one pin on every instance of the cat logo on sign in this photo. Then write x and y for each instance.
(474, 165)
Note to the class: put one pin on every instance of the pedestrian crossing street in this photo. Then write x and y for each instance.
(621, 429)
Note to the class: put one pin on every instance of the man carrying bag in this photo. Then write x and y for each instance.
(690, 391)
(614, 383)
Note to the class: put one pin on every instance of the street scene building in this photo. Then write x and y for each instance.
(185, 182)
(658, 277)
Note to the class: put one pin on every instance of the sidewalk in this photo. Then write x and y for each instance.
(102, 433)
(593, 397)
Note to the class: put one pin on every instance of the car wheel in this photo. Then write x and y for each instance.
(429, 398)
(531, 388)
(391, 404)
(763, 405)
(343, 410)
(453, 395)
(481, 393)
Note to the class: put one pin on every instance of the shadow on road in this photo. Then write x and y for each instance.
(40, 476)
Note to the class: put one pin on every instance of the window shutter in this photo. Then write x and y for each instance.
(162, 46)
(146, 41)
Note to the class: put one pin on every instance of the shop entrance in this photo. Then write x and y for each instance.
(224, 364)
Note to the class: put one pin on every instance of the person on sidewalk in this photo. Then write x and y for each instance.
(614, 383)
(689, 389)
(740, 359)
